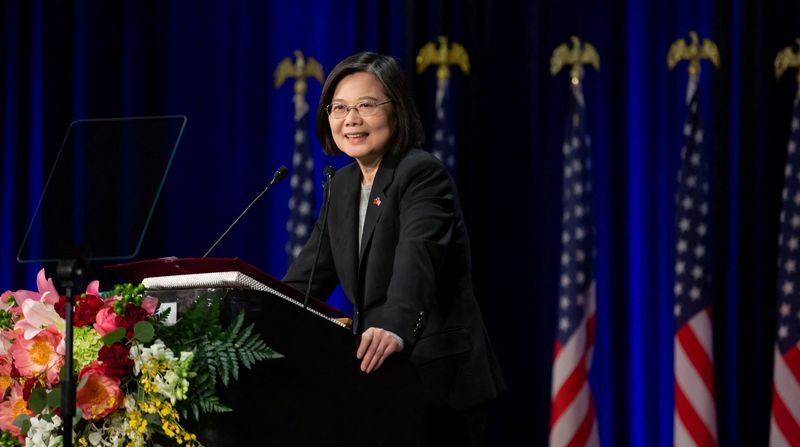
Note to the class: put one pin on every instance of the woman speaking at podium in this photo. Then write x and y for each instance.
(396, 242)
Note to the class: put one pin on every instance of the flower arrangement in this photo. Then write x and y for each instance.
(137, 378)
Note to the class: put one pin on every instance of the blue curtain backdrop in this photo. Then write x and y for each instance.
(214, 62)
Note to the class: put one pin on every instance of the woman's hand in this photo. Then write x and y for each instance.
(376, 345)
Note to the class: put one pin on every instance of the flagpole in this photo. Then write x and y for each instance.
(301, 202)
(694, 413)
(784, 417)
(442, 56)
(573, 419)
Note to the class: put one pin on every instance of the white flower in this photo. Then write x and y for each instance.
(38, 316)
(129, 402)
(114, 431)
(44, 433)
(173, 384)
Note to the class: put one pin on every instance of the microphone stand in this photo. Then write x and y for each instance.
(328, 177)
(279, 175)
(68, 273)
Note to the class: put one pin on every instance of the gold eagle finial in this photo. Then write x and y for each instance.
(577, 56)
(787, 59)
(694, 52)
(301, 69)
(443, 56)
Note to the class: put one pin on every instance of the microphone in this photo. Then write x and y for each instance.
(279, 175)
(328, 171)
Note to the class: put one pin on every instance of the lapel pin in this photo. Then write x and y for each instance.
(376, 201)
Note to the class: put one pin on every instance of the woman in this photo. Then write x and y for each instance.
(397, 243)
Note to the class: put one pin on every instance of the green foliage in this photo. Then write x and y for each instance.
(6, 319)
(23, 421)
(203, 398)
(236, 344)
(114, 336)
(143, 331)
(200, 320)
(37, 400)
(159, 319)
(54, 397)
(218, 351)
(130, 294)
(8, 440)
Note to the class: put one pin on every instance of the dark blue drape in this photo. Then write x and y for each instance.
(214, 63)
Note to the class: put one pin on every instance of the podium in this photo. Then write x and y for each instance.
(315, 394)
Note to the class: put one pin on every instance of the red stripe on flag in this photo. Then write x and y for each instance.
(691, 420)
(585, 429)
(792, 360)
(590, 328)
(784, 420)
(556, 349)
(697, 355)
(571, 387)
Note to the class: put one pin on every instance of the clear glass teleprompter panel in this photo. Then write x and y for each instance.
(102, 189)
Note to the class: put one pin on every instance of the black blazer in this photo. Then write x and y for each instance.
(412, 275)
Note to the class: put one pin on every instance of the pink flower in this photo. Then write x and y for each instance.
(46, 288)
(105, 321)
(39, 355)
(38, 316)
(150, 304)
(4, 304)
(100, 395)
(13, 406)
(93, 288)
(7, 337)
(47, 291)
(5, 374)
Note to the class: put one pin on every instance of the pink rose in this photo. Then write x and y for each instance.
(105, 321)
(100, 395)
(150, 304)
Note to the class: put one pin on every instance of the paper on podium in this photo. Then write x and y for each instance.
(205, 280)
(179, 273)
(237, 280)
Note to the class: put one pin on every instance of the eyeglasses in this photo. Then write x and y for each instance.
(340, 110)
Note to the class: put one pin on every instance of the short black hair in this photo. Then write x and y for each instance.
(408, 130)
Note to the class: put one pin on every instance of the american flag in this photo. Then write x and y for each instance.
(444, 140)
(695, 416)
(573, 421)
(785, 421)
(301, 203)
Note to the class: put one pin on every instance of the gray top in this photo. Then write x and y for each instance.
(362, 211)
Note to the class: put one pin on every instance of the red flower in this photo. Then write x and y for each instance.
(26, 389)
(133, 314)
(116, 360)
(61, 307)
(86, 309)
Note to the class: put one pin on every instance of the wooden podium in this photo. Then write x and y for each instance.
(316, 394)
